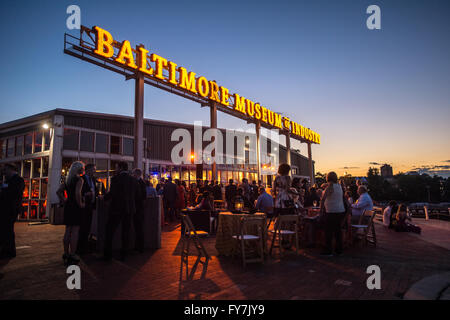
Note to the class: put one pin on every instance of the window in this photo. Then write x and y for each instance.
(70, 139)
(128, 146)
(101, 143)
(46, 140)
(45, 167)
(115, 145)
(87, 141)
(28, 143)
(35, 188)
(36, 168)
(44, 184)
(26, 168)
(101, 164)
(37, 141)
(19, 146)
(2, 149)
(11, 147)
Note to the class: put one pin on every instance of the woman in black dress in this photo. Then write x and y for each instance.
(72, 210)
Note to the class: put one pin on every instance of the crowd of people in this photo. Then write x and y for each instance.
(126, 197)
(128, 191)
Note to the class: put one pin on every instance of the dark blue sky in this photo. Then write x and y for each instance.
(374, 95)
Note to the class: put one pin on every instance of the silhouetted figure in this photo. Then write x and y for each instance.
(170, 198)
(217, 191)
(230, 194)
(73, 210)
(138, 218)
(122, 194)
(90, 193)
(10, 206)
(333, 205)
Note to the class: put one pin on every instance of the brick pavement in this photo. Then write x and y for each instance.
(38, 273)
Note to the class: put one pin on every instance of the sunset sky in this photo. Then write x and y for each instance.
(375, 96)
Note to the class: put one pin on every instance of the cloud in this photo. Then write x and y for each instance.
(349, 168)
(375, 163)
(439, 170)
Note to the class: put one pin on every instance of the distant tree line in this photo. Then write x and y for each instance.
(401, 187)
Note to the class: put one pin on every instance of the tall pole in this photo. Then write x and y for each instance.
(138, 120)
(288, 150)
(310, 167)
(258, 149)
(213, 119)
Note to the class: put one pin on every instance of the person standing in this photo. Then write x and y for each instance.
(170, 198)
(230, 194)
(180, 202)
(73, 210)
(122, 194)
(281, 186)
(138, 218)
(332, 204)
(217, 191)
(151, 192)
(89, 192)
(10, 206)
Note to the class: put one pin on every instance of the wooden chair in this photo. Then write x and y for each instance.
(285, 225)
(365, 229)
(189, 233)
(201, 220)
(246, 224)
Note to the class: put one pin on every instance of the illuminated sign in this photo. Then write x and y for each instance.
(157, 67)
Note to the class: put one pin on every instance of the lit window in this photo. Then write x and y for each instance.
(115, 145)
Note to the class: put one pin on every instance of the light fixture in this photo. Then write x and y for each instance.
(45, 126)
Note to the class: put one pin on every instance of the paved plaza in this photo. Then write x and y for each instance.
(38, 272)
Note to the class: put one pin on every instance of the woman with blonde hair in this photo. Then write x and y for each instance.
(73, 207)
(332, 204)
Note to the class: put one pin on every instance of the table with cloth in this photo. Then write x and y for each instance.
(319, 231)
(228, 227)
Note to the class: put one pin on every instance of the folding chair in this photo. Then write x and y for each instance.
(365, 229)
(285, 225)
(189, 234)
(247, 223)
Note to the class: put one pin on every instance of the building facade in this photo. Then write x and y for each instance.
(43, 146)
(386, 171)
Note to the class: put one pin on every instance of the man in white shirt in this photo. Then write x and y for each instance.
(364, 202)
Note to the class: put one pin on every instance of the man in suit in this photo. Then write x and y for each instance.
(230, 194)
(10, 207)
(217, 191)
(122, 195)
(170, 198)
(138, 220)
(90, 193)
